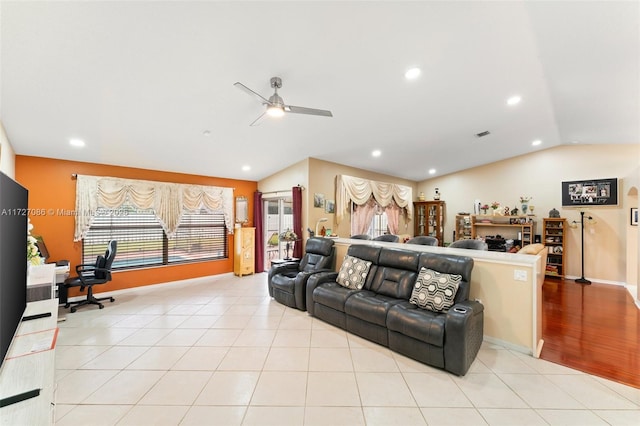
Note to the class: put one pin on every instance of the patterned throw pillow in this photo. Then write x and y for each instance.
(434, 290)
(353, 272)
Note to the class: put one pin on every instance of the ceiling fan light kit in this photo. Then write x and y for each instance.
(275, 104)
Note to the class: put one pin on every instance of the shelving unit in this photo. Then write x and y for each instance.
(521, 228)
(463, 226)
(429, 219)
(553, 237)
(244, 246)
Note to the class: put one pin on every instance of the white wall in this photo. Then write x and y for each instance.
(7, 155)
(539, 175)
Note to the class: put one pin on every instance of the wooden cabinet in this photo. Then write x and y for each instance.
(244, 251)
(521, 228)
(553, 237)
(429, 219)
(463, 227)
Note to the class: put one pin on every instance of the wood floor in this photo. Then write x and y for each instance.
(592, 328)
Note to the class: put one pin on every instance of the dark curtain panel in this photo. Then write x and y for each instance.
(258, 221)
(297, 220)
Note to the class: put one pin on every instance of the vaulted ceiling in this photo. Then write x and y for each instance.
(151, 84)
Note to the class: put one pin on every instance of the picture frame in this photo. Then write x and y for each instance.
(330, 206)
(590, 192)
(318, 200)
(634, 216)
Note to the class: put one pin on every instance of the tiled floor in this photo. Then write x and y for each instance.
(219, 351)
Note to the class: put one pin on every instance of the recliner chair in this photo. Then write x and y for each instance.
(90, 274)
(288, 281)
(424, 240)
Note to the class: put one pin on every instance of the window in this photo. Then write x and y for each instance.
(379, 225)
(370, 219)
(201, 235)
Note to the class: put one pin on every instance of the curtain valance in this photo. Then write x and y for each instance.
(166, 200)
(358, 190)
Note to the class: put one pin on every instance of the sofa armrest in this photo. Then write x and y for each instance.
(301, 282)
(464, 331)
(314, 281)
(294, 265)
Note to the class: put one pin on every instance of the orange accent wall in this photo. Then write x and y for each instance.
(52, 190)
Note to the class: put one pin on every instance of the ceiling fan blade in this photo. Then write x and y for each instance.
(310, 111)
(251, 92)
(258, 120)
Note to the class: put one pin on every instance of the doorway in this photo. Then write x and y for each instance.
(278, 217)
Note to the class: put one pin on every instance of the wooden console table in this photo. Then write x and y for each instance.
(29, 368)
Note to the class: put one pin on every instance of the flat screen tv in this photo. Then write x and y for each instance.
(590, 192)
(13, 259)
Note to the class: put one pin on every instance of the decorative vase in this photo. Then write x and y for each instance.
(525, 206)
(286, 254)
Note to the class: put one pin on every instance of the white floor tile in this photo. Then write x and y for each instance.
(274, 416)
(333, 416)
(384, 390)
(510, 417)
(93, 415)
(158, 358)
(287, 359)
(332, 389)
(126, 388)
(154, 415)
(222, 352)
(399, 416)
(453, 417)
(280, 389)
(436, 390)
(177, 388)
(229, 388)
(213, 416)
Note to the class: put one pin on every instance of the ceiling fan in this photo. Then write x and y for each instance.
(276, 106)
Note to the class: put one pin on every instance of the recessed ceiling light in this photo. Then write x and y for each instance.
(207, 133)
(514, 100)
(536, 142)
(412, 73)
(246, 168)
(432, 171)
(376, 153)
(76, 142)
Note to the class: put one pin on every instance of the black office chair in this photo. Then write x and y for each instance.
(470, 244)
(360, 237)
(390, 238)
(424, 240)
(91, 274)
(287, 282)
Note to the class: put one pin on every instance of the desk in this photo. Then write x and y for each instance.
(29, 365)
(43, 281)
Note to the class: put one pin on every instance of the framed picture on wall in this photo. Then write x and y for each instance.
(592, 192)
(318, 200)
(330, 206)
(634, 216)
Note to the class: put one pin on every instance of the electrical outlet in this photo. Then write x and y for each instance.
(520, 275)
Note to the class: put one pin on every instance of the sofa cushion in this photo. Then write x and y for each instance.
(353, 272)
(332, 295)
(369, 306)
(421, 324)
(434, 290)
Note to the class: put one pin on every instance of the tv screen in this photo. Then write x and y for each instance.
(13, 259)
(591, 192)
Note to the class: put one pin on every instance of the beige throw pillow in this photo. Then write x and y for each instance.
(353, 272)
